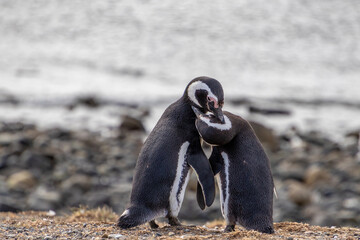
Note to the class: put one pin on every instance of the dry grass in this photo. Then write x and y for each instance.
(100, 223)
(101, 214)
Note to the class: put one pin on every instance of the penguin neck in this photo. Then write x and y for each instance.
(187, 112)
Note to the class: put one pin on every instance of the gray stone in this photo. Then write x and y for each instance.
(44, 199)
(22, 180)
(298, 193)
(265, 135)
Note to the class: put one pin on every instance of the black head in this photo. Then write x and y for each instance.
(206, 94)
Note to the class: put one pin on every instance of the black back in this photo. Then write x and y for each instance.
(250, 179)
(157, 162)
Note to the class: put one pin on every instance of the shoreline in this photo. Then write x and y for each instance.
(334, 119)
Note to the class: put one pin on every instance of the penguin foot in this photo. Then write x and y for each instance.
(174, 221)
(132, 217)
(153, 224)
(268, 230)
(229, 228)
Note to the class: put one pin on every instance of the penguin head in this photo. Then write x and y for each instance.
(206, 95)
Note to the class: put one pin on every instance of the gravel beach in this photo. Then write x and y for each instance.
(92, 225)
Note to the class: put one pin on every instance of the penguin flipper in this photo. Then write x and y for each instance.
(215, 163)
(216, 167)
(205, 176)
(200, 197)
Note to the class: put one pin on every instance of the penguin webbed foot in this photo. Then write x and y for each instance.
(153, 224)
(229, 228)
(125, 222)
(268, 230)
(174, 221)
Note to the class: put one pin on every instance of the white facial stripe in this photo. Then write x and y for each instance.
(198, 85)
(226, 172)
(220, 126)
(174, 203)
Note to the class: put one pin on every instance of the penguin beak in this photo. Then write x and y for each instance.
(218, 113)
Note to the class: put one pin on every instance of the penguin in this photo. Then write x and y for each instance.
(170, 153)
(242, 169)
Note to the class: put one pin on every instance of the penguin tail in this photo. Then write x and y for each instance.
(135, 216)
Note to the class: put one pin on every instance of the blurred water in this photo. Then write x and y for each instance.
(146, 52)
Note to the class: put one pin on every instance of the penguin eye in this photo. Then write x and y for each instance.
(209, 99)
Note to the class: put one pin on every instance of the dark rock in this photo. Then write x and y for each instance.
(240, 101)
(8, 208)
(268, 111)
(87, 101)
(6, 98)
(315, 138)
(355, 134)
(58, 133)
(265, 135)
(37, 162)
(13, 127)
(131, 124)
(135, 72)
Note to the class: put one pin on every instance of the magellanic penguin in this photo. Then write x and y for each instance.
(170, 151)
(242, 170)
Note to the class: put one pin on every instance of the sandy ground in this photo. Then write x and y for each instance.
(100, 224)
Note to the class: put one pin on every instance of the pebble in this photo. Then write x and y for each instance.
(21, 180)
(58, 168)
(299, 194)
(51, 213)
(117, 236)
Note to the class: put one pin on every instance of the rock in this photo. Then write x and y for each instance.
(192, 185)
(117, 236)
(352, 203)
(316, 175)
(6, 139)
(240, 101)
(120, 196)
(268, 111)
(37, 161)
(60, 134)
(51, 213)
(190, 210)
(14, 127)
(78, 181)
(298, 193)
(316, 138)
(98, 198)
(355, 134)
(6, 98)
(8, 208)
(131, 124)
(44, 199)
(22, 180)
(265, 135)
(87, 101)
